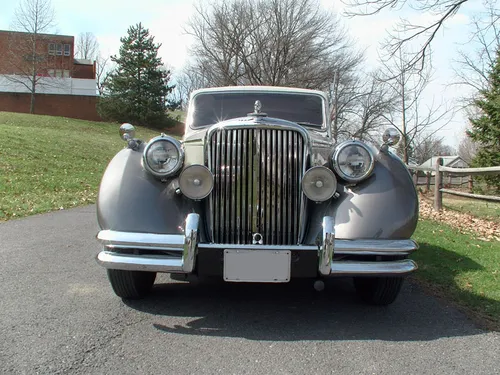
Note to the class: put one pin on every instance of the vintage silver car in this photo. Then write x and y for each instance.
(257, 191)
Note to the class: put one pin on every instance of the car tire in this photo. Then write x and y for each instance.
(131, 284)
(378, 290)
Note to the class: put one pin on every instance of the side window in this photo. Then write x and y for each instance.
(67, 50)
(59, 49)
(52, 49)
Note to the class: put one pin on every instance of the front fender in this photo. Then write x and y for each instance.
(132, 200)
(384, 206)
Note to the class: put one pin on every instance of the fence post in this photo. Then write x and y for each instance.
(438, 195)
(428, 181)
(415, 178)
(471, 187)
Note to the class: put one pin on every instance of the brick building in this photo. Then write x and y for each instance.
(65, 86)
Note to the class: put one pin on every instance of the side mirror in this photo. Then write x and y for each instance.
(127, 132)
(391, 137)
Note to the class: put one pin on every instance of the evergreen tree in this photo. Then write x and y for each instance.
(138, 88)
(486, 128)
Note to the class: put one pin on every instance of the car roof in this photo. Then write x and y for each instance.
(258, 88)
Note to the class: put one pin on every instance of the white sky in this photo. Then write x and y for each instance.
(109, 20)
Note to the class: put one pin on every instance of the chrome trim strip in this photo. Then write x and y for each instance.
(287, 174)
(190, 243)
(370, 246)
(255, 203)
(341, 247)
(392, 268)
(111, 239)
(303, 157)
(129, 262)
(325, 253)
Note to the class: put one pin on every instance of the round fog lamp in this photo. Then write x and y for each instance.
(319, 184)
(196, 181)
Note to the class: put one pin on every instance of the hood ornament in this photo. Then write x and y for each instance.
(257, 110)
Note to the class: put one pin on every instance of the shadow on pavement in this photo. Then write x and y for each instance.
(295, 311)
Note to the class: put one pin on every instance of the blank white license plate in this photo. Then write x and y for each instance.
(258, 266)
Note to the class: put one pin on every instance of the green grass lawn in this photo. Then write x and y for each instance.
(461, 268)
(48, 163)
(479, 208)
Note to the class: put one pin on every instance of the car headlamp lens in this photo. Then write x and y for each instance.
(196, 181)
(353, 161)
(163, 156)
(319, 184)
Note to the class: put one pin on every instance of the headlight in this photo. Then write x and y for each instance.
(319, 184)
(163, 156)
(196, 181)
(353, 161)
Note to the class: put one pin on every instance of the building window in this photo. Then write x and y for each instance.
(66, 73)
(52, 73)
(59, 50)
(67, 50)
(52, 48)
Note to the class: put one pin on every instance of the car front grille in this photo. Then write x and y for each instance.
(257, 174)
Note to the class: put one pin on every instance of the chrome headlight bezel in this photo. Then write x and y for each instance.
(175, 143)
(336, 167)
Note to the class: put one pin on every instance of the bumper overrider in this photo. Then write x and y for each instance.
(172, 253)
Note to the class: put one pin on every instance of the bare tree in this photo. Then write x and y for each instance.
(190, 78)
(26, 54)
(408, 86)
(360, 104)
(429, 145)
(344, 92)
(472, 70)
(376, 103)
(277, 42)
(87, 46)
(103, 72)
(406, 32)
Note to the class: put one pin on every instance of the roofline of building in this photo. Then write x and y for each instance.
(41, 34)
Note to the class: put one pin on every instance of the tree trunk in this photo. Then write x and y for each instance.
(32, 103)
(33, 90)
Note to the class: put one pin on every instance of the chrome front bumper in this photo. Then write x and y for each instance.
(184, 250)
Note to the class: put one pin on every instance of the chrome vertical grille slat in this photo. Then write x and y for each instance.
(257, 173)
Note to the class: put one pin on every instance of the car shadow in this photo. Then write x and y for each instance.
(295, 311)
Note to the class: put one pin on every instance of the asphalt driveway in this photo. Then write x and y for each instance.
(58, 314)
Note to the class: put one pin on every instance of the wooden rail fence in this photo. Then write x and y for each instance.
(439, 170)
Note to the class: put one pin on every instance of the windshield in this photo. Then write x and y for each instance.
(211, 108)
